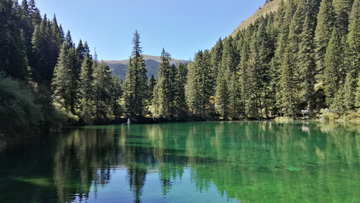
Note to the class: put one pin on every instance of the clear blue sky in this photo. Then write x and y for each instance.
(181, 27)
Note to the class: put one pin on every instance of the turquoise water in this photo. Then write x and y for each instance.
(185, 162)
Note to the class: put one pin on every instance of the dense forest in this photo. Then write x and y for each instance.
(304, 56)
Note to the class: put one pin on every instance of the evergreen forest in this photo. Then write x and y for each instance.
(304, 56)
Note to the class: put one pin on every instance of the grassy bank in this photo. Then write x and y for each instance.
(326, 115)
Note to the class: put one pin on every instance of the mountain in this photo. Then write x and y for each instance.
(268, 7)
(151, 62)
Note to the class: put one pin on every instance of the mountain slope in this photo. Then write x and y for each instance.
(269, 7)
(151, 62)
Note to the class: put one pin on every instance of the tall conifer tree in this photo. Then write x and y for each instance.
(332, 61)
(102, 92)
(222, 95)
(352, 55)
(135, 83)
(12, 51)
(116, 93)
(162, 101)
(281, 49)
(197, 90)
(62, 79)
(342, 10)
(180, 107)
(87, 89)
(325, 25)
(306, 62)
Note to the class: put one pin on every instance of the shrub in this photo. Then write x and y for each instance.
(18, 109)
(327, 115)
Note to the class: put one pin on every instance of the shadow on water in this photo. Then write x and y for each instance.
(244, 161)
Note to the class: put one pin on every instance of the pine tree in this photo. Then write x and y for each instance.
(135, 83)
(338, 104)
(230, 57)
(172, 76)
(68, 40)
(357, 94)
(74, 73)
(34, 13)
(116, 94)
(234, 97)
(179, 103)
(209, 79)
(198, 90)
(306, 62)
(41, 71)
(349, 89)
(342, 10)
(281, 50)
(325, 25)
(24, 23)
(332, 62)
(306, 56)
(102, 92)
(229, 67)
(271, 31)
(12, 52)
(279, 19)
(151, 85)
(352, 56)
(244, 73)
(65, 83)
(80, 52)
(296, 28)
(259, 61)
(353, 42)
(128, 87)
(216, 54)
(162, 101)
(46, 43)
(62, 79)
(56, 42)
(287, 85)
(222, 95)
(87, 89)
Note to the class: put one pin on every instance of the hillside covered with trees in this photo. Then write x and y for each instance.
(306, 55)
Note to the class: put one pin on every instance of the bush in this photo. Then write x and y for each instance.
(54, 118)
(18, 109)
(352, 116)
(327, 115)
(283, 120)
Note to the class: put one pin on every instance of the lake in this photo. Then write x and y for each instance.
(185, 162)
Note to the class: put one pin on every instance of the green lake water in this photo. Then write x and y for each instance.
(185, 162)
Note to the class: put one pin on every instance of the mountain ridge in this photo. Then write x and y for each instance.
(152, 62)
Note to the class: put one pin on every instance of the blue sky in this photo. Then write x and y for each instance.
(181, 27)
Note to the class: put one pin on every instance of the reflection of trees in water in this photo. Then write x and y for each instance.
(258, 159)
(145, 150)
(245, 160)
(83, 158)
(137, 158)
(137, 177)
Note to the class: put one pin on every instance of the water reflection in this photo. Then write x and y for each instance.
(242, 161)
